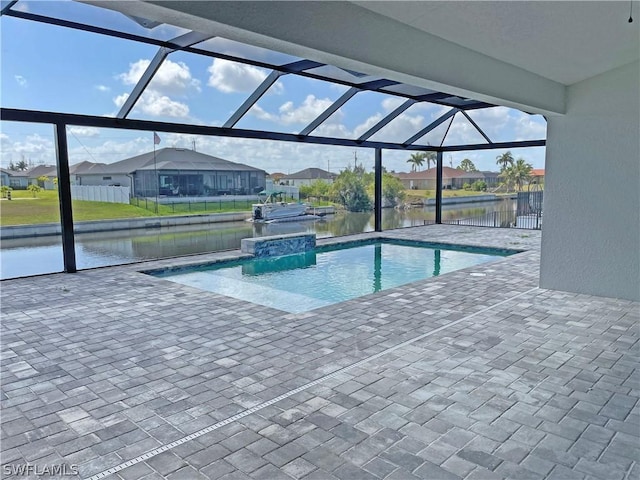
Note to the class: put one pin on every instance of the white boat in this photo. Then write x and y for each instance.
(274, 208)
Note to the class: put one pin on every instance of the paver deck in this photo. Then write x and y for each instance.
(477, 374)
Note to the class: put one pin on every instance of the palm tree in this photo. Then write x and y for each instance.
(416, 160)
(517, 174)
(508, 174)
(521, 172)
(431, 157)
(505, 160)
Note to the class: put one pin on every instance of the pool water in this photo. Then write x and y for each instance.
(303, 282)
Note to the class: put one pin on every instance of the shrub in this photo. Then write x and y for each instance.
(479, 186)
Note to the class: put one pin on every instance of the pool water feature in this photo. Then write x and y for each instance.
(327, 275)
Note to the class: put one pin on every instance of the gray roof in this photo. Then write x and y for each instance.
(43, 170)
(472, 175)
(87, 168)
(16, 173)
(311, 174)
(175, 159)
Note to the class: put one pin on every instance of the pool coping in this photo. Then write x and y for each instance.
(326, 244)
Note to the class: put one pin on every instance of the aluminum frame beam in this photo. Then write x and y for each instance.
(386, 120)
(344, 98)
(438, 188)
(444, 137)
(6, 6)
(252, 99)
(486, 137)
(35, 116)
(185, 40)
(378, 191)
(64, 193)
(294, 67)
(493, 146)
(431, 126)
(145, 79)
(372, 86)
(300, 66)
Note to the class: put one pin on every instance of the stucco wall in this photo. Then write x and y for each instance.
(99, 179)
(591, 230)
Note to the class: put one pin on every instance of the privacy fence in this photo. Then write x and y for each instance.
(98, 193)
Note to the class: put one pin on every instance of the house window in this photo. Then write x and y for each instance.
(106, 178)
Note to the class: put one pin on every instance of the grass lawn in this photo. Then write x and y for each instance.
(445, 193)
(25, 209)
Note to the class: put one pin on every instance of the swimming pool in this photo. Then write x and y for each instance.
(327, 275)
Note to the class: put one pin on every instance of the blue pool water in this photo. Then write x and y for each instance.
(303, 282)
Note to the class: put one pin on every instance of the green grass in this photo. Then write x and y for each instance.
(445, 193)
(24, 209)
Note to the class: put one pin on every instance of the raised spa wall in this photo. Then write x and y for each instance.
(278, 244)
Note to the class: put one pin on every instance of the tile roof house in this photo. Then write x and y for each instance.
(538, 172)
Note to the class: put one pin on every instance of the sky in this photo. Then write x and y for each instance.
(50, 68)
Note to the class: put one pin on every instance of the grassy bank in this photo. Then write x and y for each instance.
(24, 209)
(445, 193)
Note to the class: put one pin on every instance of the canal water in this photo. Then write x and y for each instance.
(32, 256)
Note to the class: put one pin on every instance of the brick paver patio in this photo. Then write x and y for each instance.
(477, 374)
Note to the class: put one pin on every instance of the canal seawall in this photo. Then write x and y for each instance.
(46, 229)
(469, 199)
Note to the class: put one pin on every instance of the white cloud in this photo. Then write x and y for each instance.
(494, 122)
(102, 88)
(262, 114)
(154, 103)
(530, 127)
(35, 149)
(336, 130)
(232, 77)
(367, 124)
(172, 78)
(21, 80)
(303, 114)
(310, 108)
(399, 130)
(84, 131)
(391, 103)
(462, 132)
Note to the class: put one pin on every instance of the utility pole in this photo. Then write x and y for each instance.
(355, 159)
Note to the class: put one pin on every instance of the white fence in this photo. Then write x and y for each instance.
(289, 190)
(98, 193)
